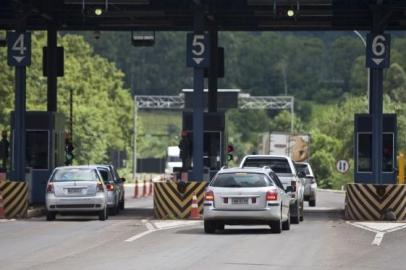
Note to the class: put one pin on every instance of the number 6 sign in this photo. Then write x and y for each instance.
(378, 51)
(198, 50)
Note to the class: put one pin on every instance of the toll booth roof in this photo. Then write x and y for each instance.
(177, 15)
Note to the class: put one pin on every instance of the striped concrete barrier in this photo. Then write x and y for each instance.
(375, 202)
(169, 202)
(15, 198)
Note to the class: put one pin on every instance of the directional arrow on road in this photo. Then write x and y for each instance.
(377, 60)
(198, 60)
(19, 58)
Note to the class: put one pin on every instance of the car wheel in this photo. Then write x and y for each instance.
(103, 214)
(220, 226)
(113, 211)
(276, 226)
(51, 216)
(209, 226)
(302, 212)
(312, 203)
(286, 224)
(295, 218)
(122, 206)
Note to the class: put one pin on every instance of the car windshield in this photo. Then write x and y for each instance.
(278, 165)
(303, 168)
(236, 180)
(74, 174)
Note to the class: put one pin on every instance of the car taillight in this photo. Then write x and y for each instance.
(110, 187)
(209, 196)
(272, 196)
(50, 188)
(100, 187)
(293, 184)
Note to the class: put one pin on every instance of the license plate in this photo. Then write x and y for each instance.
(239, 200)
(74, 190)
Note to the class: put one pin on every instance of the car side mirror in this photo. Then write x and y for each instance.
(122, 179)
(301, 174)
(289, 189)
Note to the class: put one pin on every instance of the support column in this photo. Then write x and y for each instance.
(213, 69)
(376, 111)
(19, 124)
(52, 69)
(198, 105)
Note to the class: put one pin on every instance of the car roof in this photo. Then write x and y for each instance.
(245, 170)
(266, 156)
(78, 167)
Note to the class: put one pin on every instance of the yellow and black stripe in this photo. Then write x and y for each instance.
(15, 198)
(170, 203)
(372, 202)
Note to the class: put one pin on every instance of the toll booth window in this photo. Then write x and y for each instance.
(364, 152)
(36, 151)
(388, 152)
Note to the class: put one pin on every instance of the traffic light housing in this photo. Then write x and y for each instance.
(230, 149)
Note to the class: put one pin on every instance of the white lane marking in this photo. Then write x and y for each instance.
(6, 220)
(378, 239)
(380, 228)
(154, 227)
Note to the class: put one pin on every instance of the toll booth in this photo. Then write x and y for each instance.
(44, 150)
(363, 171)
(214, 139)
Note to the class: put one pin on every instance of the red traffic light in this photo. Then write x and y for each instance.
(230, 148)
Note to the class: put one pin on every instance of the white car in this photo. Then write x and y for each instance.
(285, 169)
(309, 180)
(246, 196)
(74, 189)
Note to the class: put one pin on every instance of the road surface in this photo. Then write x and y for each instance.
(133, 240)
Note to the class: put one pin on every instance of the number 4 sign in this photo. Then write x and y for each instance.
(197, 50)
(378, 50)
(19, 49)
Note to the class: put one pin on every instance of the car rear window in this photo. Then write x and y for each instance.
(278, 165)
(64, 175)
(303, 168)
(106, 175)
(237, 180)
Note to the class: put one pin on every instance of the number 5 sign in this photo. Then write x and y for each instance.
(198, 50)
(378, 51)
(19, 49)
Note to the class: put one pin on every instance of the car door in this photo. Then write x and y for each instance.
(285, 198)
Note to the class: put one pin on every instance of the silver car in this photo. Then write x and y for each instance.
(246, 196)
(76, 189)
(310, 186)
(285, 169)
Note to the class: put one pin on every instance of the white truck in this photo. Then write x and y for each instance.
(295, 146)
(172, 159)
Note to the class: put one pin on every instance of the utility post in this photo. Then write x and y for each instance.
(19, 56)
(198, 57)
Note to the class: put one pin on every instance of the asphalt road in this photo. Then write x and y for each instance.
(132, 240)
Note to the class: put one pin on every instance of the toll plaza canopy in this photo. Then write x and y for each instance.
(177, 15)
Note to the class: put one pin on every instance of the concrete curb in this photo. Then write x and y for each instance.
(35, 212)
(332, 191)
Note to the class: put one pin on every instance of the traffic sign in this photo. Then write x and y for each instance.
(378, 50)
(19, 49)
(342, 166)
(198, 50)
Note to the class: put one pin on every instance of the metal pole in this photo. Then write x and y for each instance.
(213, 69)
(135, 138)
(19, 123)
(71, 113)
(376, 96)
(292, 112)
(52, 69)
(198, 105)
